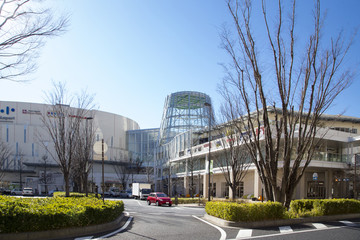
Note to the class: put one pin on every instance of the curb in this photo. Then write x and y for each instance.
(280, 222)
(66, 232)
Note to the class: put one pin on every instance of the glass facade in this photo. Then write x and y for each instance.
(184, 111)
(141, 145)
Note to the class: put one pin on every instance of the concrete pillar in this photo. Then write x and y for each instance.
(329, 183)
(302, 188)
(231, 193)
(257, 187)
(206, 178)
(186, 179)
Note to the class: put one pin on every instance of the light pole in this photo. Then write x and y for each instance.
(209, 136)
(87, 155)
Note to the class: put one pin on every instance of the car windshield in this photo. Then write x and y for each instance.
(161, 195)
(146, 191)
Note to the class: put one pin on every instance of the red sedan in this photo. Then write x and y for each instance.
(159, 198)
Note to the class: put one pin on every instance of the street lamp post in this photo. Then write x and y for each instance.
(87, 153)
(209, 136)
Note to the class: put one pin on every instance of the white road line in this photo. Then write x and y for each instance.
(117, 231)
(285, 229)
(243, 233)
(84, 238)
(348, 223)
(222, 232)
(319, 225)
(139, 202)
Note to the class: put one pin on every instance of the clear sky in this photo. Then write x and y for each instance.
(131, 54)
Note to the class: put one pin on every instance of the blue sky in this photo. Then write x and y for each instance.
(132, 54)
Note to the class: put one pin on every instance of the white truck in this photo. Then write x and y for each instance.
(141, 190)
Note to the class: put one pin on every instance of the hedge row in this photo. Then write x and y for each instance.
(323, 207)
(248, 212)
(188, 200)
(39, 214)
(245, 212)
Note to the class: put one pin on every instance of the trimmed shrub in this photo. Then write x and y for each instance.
(323, 207)
(246, 212)
(337, 206)
(39, 214)
(188, 200)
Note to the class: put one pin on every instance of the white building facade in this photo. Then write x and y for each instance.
(22, 129)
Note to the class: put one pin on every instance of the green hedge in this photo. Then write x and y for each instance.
(246, 212)
(188, 200)
(39, 214)
(323, 207)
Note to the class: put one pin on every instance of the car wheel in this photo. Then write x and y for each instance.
(148, 202)
(169, 205)
(157, 203)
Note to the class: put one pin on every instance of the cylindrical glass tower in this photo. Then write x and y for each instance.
(184, 111)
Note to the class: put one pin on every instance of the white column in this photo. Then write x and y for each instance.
(206, 178)
(257, 190)
(186, 179)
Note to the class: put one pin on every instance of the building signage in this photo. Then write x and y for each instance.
(7, 110)
(28, 111)
(315, 176)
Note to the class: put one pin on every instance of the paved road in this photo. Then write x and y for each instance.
(152, 222)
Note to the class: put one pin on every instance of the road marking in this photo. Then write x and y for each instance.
(289, 233)
(285, 229)
(319, 225)
(84, 238)
(348, 223)
(222, 232)
(117, 231)
(139, 202)
(244, 233)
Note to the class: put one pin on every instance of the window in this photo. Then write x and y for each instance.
(7, 133)
(32, 149)
(24, 133)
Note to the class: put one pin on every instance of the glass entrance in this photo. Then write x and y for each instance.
(316, 190)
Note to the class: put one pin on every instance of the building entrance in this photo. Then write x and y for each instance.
(316, 190)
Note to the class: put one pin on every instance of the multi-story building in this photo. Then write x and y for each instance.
(173, 157)
(22, 130)
(329, 175)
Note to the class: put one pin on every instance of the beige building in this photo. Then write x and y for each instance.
(22, 130)
(329, 175)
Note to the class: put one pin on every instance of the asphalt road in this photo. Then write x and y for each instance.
(179, 222)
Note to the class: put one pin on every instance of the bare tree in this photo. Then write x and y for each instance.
(283, 96)
(122, 172)
(24, 26)
(63, 124)
(86, 139)
(5, 161)
(191, 164)
(234, 160)
(46, 177)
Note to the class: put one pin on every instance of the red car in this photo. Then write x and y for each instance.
(159, 198)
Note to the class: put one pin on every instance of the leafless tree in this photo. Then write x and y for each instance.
(234, 160)
(5, 161)
(122, 172)
(24, 26)
(278, 93)
(85, 142)
(46, 178)
(191, 164)
(63, 124)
